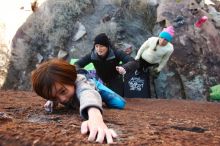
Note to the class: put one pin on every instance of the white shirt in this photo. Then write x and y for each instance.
(160, 56)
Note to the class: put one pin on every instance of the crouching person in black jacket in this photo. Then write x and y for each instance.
(106, 59)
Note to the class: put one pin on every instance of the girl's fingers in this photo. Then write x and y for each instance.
(101, 136)
(108, 136)
(92, 134)
(84, 127)
(114, 134)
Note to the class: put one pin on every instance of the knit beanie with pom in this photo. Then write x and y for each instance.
(167, 33)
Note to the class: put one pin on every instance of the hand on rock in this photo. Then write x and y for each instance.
(49, 106)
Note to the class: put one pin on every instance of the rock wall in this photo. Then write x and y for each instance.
(66, 29)
(196, 57)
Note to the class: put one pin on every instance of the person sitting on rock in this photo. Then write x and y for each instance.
(105, 60)
(57, 81)
(155, 52)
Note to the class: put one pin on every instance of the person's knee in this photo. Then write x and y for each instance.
(118, 103)
(121, 105)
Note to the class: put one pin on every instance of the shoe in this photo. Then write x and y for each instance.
(178, 18)
(178, 24)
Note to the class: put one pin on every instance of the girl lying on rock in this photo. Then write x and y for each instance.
(58, 82)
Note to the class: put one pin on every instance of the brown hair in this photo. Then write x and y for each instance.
(48, 73)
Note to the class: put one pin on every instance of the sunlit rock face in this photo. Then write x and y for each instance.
(66, 29)
(44, 31)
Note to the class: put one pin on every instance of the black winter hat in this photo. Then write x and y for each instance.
(102, 39)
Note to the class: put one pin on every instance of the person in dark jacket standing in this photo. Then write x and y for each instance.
(106, 60)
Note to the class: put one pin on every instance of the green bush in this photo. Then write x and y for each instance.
(215, 92)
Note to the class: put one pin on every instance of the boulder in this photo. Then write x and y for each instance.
(193, 48)
(143, 122)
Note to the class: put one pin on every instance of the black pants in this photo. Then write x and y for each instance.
(143, 65)
(117, 85)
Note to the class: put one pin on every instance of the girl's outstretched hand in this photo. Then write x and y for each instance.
(96, 127)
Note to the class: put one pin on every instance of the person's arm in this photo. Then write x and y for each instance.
(82, 62)
(129, 62)
(87, 95)
(143, 47)
(91, 109)
(128, 67)
(97, 128)
(164, 60)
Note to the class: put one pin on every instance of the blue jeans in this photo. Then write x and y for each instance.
(111, 99)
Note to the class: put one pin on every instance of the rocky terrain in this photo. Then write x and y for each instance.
(23, 122)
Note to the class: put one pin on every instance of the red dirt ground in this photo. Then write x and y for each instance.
(23, 122)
